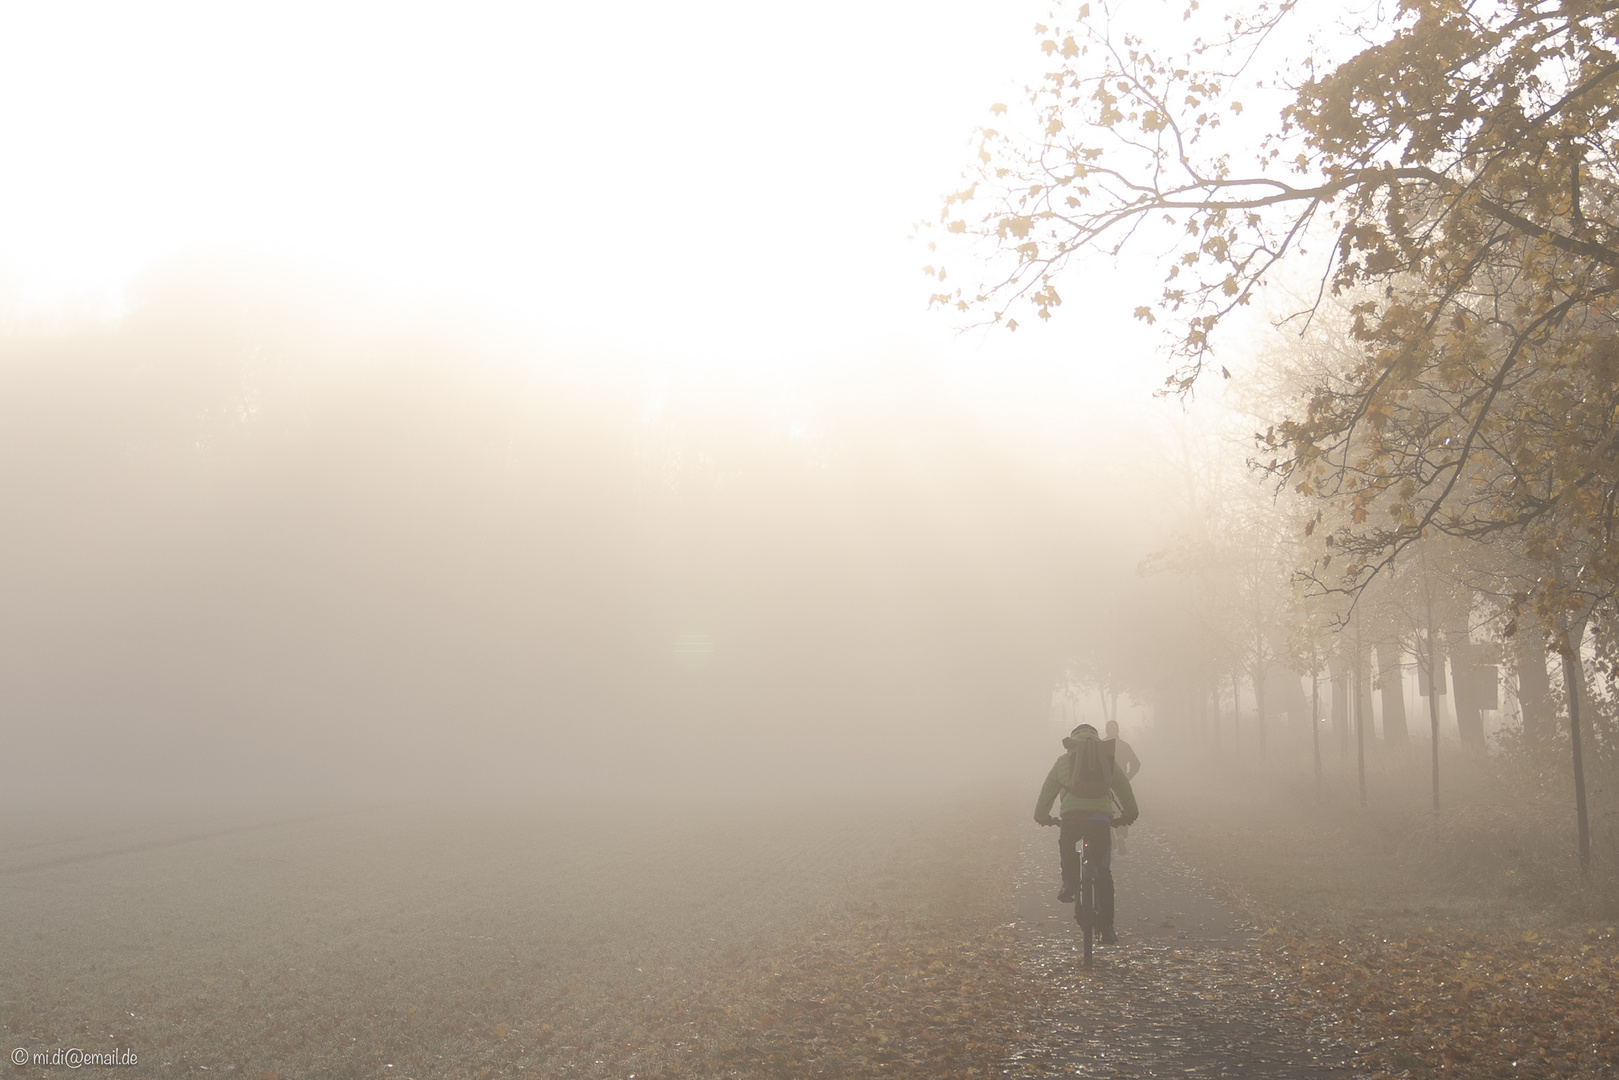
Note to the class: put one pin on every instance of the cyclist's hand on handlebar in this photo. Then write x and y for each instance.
(1121, 820)
(1045, 819)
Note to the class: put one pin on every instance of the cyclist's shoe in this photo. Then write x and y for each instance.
(1069, 892)
(1108, 936)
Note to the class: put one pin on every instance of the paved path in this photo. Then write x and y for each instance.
(1183, 994)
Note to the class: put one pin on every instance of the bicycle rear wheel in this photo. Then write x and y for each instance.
(1085, 912)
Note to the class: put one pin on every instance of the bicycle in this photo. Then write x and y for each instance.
(1085, 913)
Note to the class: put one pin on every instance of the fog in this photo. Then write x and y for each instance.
(505, 570)
(538, 402)
(264, 544)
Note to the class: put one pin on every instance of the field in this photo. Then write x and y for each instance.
(749, 938)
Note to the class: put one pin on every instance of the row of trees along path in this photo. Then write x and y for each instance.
(1435, 181)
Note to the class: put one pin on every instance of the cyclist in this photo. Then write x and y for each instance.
(1122, 752)
(1126, 757)
(1088, 778)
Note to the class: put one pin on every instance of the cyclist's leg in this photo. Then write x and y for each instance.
(1068, 838)
(1099, 850)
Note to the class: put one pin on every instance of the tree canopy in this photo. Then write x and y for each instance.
(1459, 166)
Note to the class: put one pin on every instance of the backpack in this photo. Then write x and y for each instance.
(1090, 774)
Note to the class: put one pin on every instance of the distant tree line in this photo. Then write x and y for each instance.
(256, 540)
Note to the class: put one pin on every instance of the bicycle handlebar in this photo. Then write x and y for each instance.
(1116, 821)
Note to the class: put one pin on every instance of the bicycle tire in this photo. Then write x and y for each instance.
(1087, 922)
(1085, 905)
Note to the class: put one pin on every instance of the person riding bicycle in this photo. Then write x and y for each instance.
(1088, 778)
(1126, 757)
(1122, 753)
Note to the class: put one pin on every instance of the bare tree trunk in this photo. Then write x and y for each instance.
(1436, 680)
(1433, 722)
(1464, 676)
(1315, 721)
(1259, 709)
(1433, 707)
(1360, 714)
(1197, 698)
(1573, 684)
(1392, 684)
(1340, 703)
(1534, 688)
(1236, 713)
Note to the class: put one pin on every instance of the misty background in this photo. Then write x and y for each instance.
(504, 571)
(263, 544)
(542, 399)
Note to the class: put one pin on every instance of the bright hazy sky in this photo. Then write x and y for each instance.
(703, 182)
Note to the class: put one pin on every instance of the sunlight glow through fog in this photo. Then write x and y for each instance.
(722, 184)
(689, 167)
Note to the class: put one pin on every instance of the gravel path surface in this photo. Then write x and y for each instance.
(1185, 993)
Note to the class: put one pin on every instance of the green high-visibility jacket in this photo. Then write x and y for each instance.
(1057, 781)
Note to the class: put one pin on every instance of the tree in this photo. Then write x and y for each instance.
(1233, 558)
(1309, 625)
(1461, 165)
